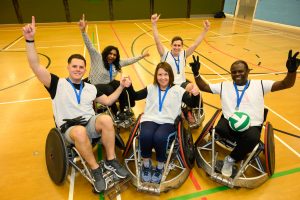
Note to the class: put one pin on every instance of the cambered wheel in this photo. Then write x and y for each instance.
(56, 156)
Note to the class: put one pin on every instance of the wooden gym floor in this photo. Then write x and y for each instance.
(26, 114)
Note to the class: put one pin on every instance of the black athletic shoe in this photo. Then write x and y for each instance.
(116, 167)
(99, 182)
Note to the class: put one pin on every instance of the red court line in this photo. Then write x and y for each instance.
(255, 65)
(260, 66)
(139, 77)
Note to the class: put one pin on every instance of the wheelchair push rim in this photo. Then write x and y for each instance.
(56, 157)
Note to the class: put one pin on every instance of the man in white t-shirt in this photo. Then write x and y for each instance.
(247, 96)
(72, 101)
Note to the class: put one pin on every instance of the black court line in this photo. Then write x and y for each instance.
(3, 49)
(19, 83)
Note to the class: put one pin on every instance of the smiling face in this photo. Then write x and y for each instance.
(111, 57)
(163, 76)
(239, 72)
(110, 54)
(76, 69)
(176, 45)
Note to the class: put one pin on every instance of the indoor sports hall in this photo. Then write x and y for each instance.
(261, 32)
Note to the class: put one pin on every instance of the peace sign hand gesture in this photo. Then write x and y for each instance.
(292, 62)
(195, 66)
(29, 30)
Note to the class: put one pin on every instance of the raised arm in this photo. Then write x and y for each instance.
(132, 60)
(89, 45)
(41, 72)
(191, 49)
(159, 45)
(109, 100)
(203, 86)
(292, 65)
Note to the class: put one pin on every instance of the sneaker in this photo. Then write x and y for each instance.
(128, 112)
(227, 166)
(146, 173)
(99, 182)
(157, 175)
(116, 167)
(121, 116)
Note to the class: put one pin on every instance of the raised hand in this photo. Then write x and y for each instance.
(206, 25)
(146, 53)
(154, 18)
(195, 66)
(292, 62)
(29, 30)
(125, 81)
(82, 23)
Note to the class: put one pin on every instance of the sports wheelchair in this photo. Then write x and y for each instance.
(197, 113)
(121, 120)
(180, 159)
(60, 155)
(252, 172)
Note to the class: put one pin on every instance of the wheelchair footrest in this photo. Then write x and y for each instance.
(117, 187)
(219, 165)
(151, 188)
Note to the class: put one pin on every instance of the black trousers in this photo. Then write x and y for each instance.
(246, 140)
(123, 99)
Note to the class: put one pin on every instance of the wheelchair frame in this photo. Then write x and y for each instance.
(198, 114)
(60, 155)
(127, 123)
(176, 160)
(253, 161)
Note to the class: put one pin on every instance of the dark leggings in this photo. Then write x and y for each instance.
(246, 140)
(123, 99)
(155, 136)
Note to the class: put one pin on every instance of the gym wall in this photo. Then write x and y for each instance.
(20, 11)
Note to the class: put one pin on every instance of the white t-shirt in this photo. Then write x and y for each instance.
(167, 57)
(65, 104)
(252, 102)
(171, 107)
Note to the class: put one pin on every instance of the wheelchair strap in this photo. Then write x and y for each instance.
(73, 122)
(262, 87)
(166, 56)
(221, 90)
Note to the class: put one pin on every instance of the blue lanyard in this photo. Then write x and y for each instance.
(78, 95)
(161, 100)
(110, 72)
(177, 62)
(238, 97)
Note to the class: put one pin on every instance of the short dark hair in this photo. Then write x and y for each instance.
(106, 51)
(167, 67)
(241, 62)
(77, 56)
(177, 38)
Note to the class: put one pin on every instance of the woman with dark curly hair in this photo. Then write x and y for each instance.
(106, 66)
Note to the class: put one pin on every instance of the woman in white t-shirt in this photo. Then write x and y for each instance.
(163, 105)
(176, 57)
